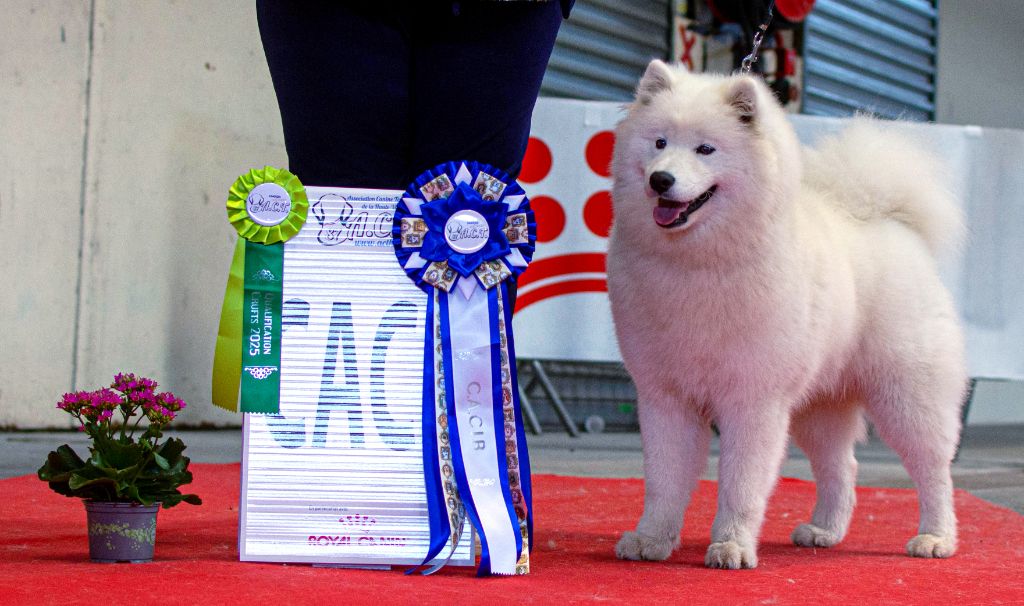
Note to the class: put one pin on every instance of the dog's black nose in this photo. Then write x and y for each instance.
(661, 181)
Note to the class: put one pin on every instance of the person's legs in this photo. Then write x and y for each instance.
(476, 75)
(341, 74)
(360, 108)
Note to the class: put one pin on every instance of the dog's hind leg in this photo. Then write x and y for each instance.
(920, 420)
(827, 433)
(675, 443)
(753, 444)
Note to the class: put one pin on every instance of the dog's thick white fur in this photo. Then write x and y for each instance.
(800, 296)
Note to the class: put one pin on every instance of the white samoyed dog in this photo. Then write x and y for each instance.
(774, 291)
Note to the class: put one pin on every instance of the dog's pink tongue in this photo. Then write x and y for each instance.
(667, 211)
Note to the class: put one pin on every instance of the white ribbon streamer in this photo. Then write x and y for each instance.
(471, 378)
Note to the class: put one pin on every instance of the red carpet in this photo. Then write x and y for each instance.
(44, 556)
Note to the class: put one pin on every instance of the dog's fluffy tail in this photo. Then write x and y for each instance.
(879, 174)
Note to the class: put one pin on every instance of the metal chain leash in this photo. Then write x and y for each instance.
(751, 59)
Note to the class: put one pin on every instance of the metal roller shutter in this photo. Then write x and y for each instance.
(871, 55)
(602, 50)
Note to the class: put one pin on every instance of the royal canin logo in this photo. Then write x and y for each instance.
(358, 532)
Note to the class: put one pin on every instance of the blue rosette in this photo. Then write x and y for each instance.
(440, 193)
(462, 232)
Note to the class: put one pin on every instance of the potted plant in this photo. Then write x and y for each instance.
(130, 473)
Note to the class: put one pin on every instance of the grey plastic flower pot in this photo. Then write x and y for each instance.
(121, 532)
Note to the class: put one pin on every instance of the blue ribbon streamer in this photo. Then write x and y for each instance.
(440, 528)
(524, 455)
(498, 408)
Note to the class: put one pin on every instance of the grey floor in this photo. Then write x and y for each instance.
(990, 464)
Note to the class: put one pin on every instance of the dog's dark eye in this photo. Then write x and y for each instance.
(705, 150)
(661, 143)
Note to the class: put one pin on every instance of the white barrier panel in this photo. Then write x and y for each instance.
(337, 476)
(563, 311)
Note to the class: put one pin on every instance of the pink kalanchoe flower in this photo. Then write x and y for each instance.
(66, 402)
(159, 414)
(105, 399)
(142, 397)
(122, 381)
(169, 401)
(134, 388)
(98, 406)
(73, 402)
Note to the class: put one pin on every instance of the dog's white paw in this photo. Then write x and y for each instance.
(730, 554)
(636, 546)
(809, 535)
(931, 546)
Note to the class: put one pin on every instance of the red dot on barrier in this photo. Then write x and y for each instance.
(536, 161)
(550, 218)
(597, 213)
(599, 152)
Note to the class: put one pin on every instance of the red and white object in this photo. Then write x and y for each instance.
(562, 309)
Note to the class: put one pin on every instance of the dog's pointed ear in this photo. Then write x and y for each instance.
(743, 98)
(657, 78)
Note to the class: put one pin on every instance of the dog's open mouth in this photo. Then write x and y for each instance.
(670, 213)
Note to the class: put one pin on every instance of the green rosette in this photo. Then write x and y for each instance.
(267, 207)
(238, 213)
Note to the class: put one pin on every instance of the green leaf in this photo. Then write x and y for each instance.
(79, 481)
(96, 460)
(118, 454)
(126, 475)
(68, 458)
(180, 466)
(170, 500)
(171, 449)
(136, 495)
(173, 499)
(62, 488)
(59, 465)
(110, 472)
(162, 462)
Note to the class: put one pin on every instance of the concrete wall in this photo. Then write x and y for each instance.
(44, 67)
(981, 63)
(980, 82)
(123, 123)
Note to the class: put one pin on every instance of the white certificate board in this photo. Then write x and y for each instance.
(337, 476)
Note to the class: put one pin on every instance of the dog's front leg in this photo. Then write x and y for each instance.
(752, 446)
(675, 442)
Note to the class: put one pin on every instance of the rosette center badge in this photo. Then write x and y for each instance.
(268, 204)
(466, 231)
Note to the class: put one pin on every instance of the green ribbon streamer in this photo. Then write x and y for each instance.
(261, 327)
(227, 358)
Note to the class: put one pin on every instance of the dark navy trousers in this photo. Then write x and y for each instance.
(373, 93)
